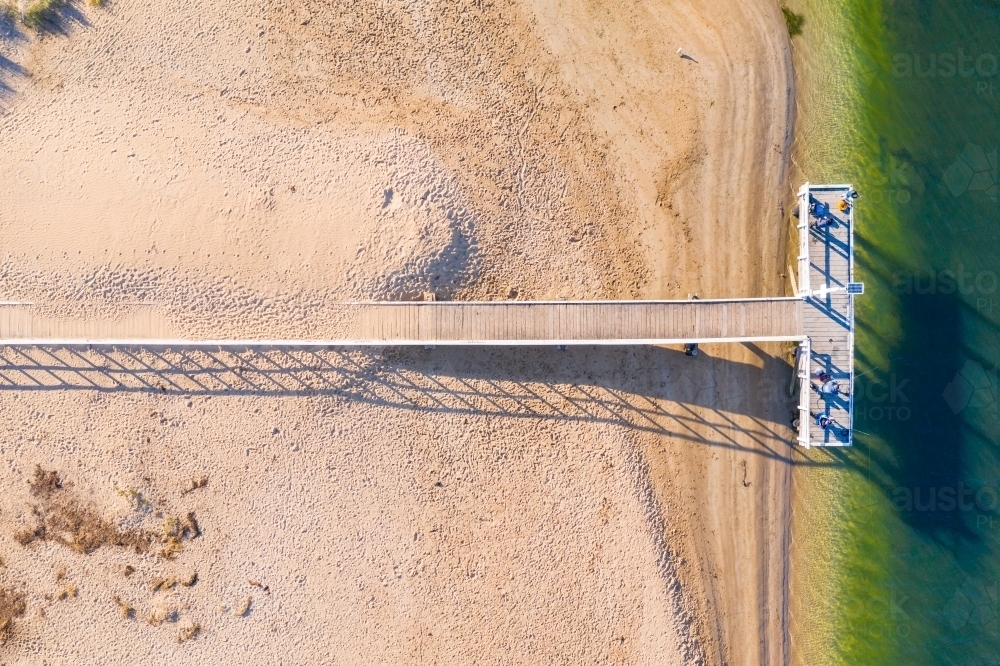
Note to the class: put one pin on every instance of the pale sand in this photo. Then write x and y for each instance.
(241, 168)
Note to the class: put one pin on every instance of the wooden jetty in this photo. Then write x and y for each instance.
(820, 317)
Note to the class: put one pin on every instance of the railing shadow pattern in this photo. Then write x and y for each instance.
(605, 385)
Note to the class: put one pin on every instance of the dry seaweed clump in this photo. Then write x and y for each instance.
(60, 517)
(188, 633)
(79, 528)
(159, 584)
(44, 483)
(195, 484)
(12, 606)
(125, 608)
(175, 531)
(68, 592)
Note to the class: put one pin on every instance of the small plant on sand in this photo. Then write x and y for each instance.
(37, 12)
(793, 21)
(34, 13)
(134, 497)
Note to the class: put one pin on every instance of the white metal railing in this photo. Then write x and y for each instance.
(804, 368)
(850, 333)
(803, 227)
(346, 342)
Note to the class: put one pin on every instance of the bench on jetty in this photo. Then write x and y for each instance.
(820, 317)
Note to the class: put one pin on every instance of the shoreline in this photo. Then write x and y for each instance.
(822, 502)
(744, 596)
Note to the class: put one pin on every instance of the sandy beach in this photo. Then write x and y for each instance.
(231, 169)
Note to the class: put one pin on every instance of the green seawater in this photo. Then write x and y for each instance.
(896, 542)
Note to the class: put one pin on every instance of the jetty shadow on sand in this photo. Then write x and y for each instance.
(10, 71)
(10, 31)
(706, 399)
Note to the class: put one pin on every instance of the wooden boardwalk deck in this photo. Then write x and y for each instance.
(828, 317)
(464, 323)
(590, 322)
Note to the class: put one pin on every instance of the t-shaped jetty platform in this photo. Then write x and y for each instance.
(826, 290)
(820, 317)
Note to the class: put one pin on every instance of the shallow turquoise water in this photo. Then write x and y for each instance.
(902, 98)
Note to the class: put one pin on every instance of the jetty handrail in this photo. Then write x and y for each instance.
(804, 369)
(174, 343)
(850, 310)
(633, 301)
(803, 227)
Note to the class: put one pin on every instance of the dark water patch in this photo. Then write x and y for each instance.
(930, 491)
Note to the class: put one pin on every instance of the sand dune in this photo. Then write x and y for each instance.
(238, 169)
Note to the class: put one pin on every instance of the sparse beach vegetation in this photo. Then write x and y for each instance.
(794, 21)
(8, 12)
(62, 518)
(35, 13)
